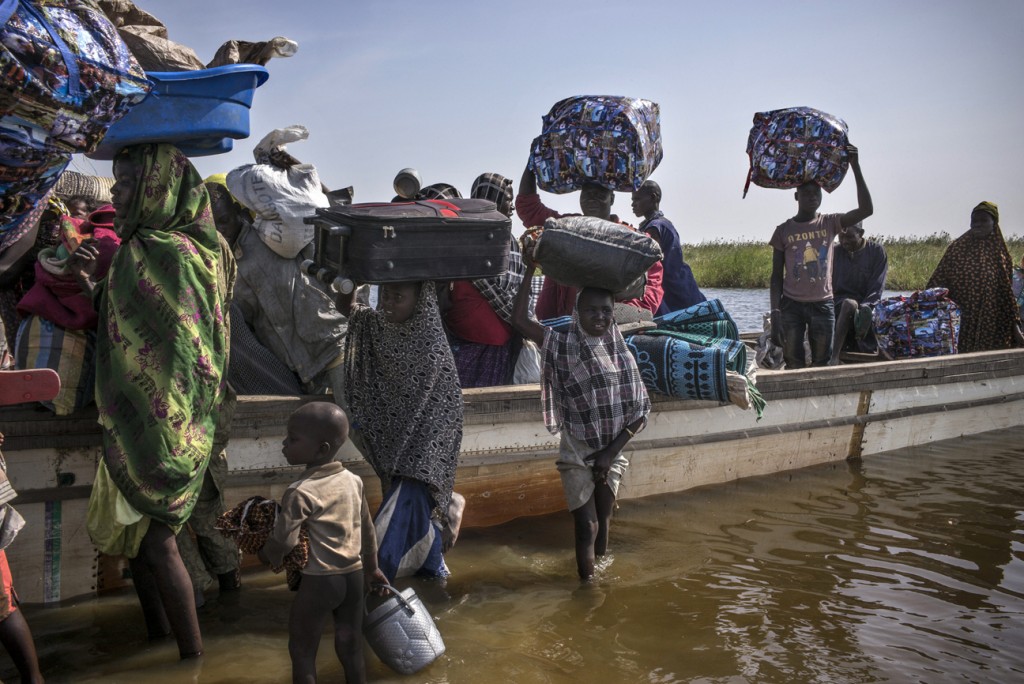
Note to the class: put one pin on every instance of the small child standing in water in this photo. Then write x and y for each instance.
(594, 398)
(329, 501)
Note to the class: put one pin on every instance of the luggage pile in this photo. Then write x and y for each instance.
(790, 147)
(582, 251)
(610, 141)
(927, 323)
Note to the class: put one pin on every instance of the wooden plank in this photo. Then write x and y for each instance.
(862, 376)
(500, 493)
(53, 559)
(662, 471)
(857, 436)
(894, 399)
(896, 433)
(51, 468)
(256, 418)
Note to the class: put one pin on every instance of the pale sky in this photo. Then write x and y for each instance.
(932, 91)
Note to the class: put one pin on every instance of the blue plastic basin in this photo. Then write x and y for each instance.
(200, 112)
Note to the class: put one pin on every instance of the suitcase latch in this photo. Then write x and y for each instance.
(389, 232)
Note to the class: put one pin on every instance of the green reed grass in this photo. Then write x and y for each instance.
(748, 264)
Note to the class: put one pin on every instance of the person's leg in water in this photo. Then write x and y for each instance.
(15, 635)
(17, 639)
(314, 602)
(219, 555)
(604, 504)
(348, 626)
(163, 585)
(450, 532)
(146, 589)
(585, 528)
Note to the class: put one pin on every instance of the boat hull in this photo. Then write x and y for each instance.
(506, 466)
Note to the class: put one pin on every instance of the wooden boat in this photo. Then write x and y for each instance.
(507, 471)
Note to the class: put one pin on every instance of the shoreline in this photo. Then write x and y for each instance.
(747, 264)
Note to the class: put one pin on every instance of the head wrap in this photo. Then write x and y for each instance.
(496, 188)
(161, 342)
(500, 291)
(439, 191)
(989, 208)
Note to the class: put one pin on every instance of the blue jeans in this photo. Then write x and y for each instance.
(818, 321)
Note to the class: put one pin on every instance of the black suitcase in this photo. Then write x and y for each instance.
(460, 239)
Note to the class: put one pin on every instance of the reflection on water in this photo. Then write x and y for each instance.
(907, 567)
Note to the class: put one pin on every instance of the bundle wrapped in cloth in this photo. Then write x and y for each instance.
(250, 525)
(280, 191)
(65, 71)
(790, 147)
(927, 323)
(610, 141)
(65, 78)
(583, 251)
(697, 353)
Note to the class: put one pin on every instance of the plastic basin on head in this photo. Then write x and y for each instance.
(200, 112)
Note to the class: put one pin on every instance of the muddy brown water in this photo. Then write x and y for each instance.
(906, 567)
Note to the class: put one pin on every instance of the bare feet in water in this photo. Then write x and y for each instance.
(450, 533)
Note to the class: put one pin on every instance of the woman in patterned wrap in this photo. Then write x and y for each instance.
(405, 406)
(594, 397)
(160, 357)
(978, 272)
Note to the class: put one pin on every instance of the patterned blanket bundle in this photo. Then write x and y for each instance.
(72, 353)
(927, 323)
(790, 147)
(690, 355)
(610, 141)
(690, 352)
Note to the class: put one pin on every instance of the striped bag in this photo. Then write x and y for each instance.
(71, 353)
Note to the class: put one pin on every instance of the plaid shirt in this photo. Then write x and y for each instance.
(590, 387)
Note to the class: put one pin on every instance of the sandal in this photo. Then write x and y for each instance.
(23, 386)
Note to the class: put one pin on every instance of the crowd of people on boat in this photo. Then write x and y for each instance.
(182, 306)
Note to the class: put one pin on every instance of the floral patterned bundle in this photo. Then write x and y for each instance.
(65, 71)
(790, 147)
(610, 141)
(927, 323)
(65, 77)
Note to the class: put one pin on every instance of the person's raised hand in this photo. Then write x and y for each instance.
(529, 246)
(853, 154)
